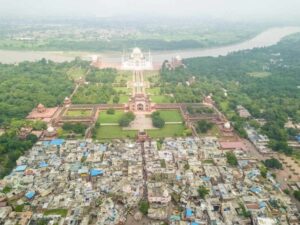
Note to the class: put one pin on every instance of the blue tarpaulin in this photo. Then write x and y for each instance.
(43, 164)
(255, 190)
(57, 142)
(298, 138)
(175, 218)
(102, 148)
(262, 205)
(30, 194)
(188, 212)
(82, 144)
(20, 168)
(46, 143)
(206, 178)
(95, 172)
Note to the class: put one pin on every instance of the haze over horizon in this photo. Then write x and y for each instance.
(235, 10)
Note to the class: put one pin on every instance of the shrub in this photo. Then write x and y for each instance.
(144, 207)
(126, 119)
(273, 163)
(157, 121)
(202, 191)
(231, 159)
(110, 111)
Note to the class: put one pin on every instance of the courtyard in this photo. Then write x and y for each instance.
(78, 112)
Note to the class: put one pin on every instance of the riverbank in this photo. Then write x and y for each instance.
(267, 38)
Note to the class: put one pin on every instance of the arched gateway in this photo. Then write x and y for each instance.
(139, 102)
(140, 107)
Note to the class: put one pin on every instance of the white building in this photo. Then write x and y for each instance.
(137, 61)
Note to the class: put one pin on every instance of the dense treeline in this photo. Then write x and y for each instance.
(93, 94)
(22, 87)
(11, 148)
(266, 81)
(25, 85)
(174, 83)
(102, 75)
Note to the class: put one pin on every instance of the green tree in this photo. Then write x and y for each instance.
(144, 207)
(157, 121)
(273, 163)
(111, 111)
(231, 159)
(297, 195)
(202, 191)
(203, 126)
(263, 171)
(116, 99)
(126, 119)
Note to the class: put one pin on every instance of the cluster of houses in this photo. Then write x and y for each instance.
(260, 141)
(83, 182)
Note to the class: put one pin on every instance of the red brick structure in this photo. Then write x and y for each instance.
(42, 113)
(140, 102)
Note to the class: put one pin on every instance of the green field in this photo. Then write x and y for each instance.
(170, 115)
(171, 130)
(259, 74)
(153, 91)
(78, 113)
(123, 90)
(214, 131)
(123, 99)
(161, 99)
(61, 212)
(61, 133)
(110, 118)
(114, 132)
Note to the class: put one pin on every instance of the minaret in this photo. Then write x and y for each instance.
(123, 59)
(150, 60)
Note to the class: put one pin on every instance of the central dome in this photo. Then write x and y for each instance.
(136, 51)
(137, 54)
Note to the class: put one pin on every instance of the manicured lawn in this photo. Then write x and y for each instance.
(61, 133)
(114, 132)
(170, 115)
(161, 99)
(78, 113)
(123, 99)
(153, 91)
(62, 212)
(123, 90)
(110, 118)
(169, 130)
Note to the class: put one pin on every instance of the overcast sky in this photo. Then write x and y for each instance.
(253, 9)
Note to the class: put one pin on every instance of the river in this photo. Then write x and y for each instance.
(267, 38)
